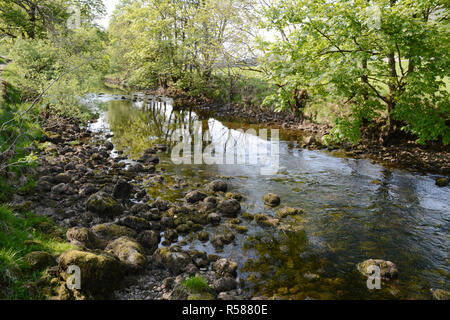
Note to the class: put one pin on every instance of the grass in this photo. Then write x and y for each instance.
(196, 284)
(20, 234)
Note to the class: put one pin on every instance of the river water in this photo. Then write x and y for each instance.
(354, 209)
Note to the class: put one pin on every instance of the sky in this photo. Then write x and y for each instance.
(110, 5)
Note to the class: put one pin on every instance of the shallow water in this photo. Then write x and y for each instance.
(354, 210)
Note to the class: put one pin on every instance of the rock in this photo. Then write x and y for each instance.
(149, 240)
(122, 189)
(83, 237)
(161, 205)
(175, 260)
(199, 258)
(224, 284)
(203, 296)
(309, 140)
(229, 208)
(88, 189)
(234, 195)
(282, 213)
(210, 203)
(103, 205)
(149, 159)
(135, 223)
(139, 208)
(440, 294)
(214, 218)
(203, 236)
(63, 188)
(442, 182)
(100, 273)
(271, 199)
(227, 296)
(183, 228)
(111, 231)
(171, 235)
(39, 259)
(225, 267)
(62, 178)
(218, 185)
(109, 145)
(265, 220)
(128, 251)
(388, 270)
(195, 196)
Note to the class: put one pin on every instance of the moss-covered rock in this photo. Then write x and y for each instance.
(217, 186)
(100, 273)
(442, 182)
(135, 223)
(84, 237)
(173, 259)
(271, 199)
(388, 270)
(103, 205)
(112, 231)
(230, 208)
(149, 240)
(234, 195)
(39, 259)
(283, 213)
(225, 267)
(440, 294)
(128, 251)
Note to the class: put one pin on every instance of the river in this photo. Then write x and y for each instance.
(354, 209)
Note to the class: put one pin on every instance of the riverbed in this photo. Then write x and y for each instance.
(354, 209)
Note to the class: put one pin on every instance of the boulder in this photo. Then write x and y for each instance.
(149, 240)
(135, 223)
(285, 212)
(128, 251)
(230, 208)
(122, 189)
(225, 267)
(224, 284)
(103, 205)
(442, 182)
(271, 199)
(195, 196)
(173, 259)
(100, 273)
(218, 185)
(214, 218)
(39, 259)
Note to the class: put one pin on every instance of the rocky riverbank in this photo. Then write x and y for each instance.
(125, 241)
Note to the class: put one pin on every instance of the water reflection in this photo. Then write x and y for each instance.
(354, 210)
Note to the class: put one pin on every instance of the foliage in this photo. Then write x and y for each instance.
(15, 230)
(196, 284)
(387, 59)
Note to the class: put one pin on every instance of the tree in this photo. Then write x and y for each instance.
(387, 59)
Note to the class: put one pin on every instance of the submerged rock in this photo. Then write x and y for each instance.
(388, 270)
(271, 199)
(83, 237)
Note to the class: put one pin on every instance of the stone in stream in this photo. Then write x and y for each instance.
(109, 145)
(135, 223)
(195, 196)
(271, 199)
(122, 189)
(282, 213)
(229, 208)
(149, 240)
(218, 185)
(388, 270)
(442, 182)
(214, 218)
